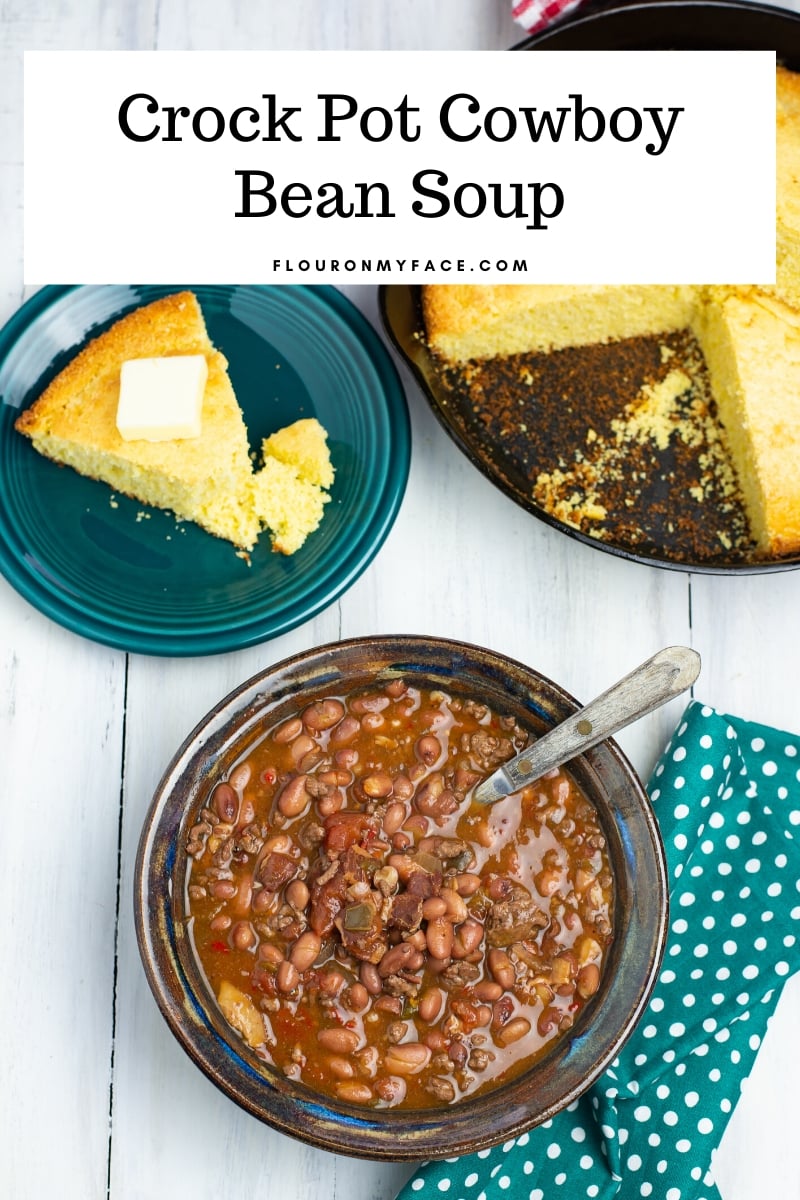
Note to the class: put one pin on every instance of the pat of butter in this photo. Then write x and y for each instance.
(161, 399)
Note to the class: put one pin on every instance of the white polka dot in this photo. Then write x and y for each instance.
(725, 1105)
(770, 768)
(680, 925)
(717, 895)
(752, 866)
(794, 817)
(700, 950)
(661, 1166)
(473, 1177)
(750, 971)
(674, 1194)
(706, 742)
(774, 890)
(782, 968)
(561, 1178)
(758, 838)
(717, 997)
(757, 744)
(634, 1162)
(444, 1185)
(738, 919)
(790, 751)
(677, 1029)
(689, 1000)
(683, 1145)
(649, 1031)
(723, 973)
(716, 820)
(592, 1189)
(707, 846)
(706, 771)
(680, 841)
(504, 1181)
(690, 1099)
(760, 943)
(724, 868)
(536, 1194)
(668, 1056)
(608, 1132)
(729, 947)
(705, 1125)
(642, 1113)
(586, 1161)
(656, 1004)
(709, 1025)
(680, 811)
(680, 754)
(662, 1091)
(646, 1189)
(715, 1075)
(417, 1184)
(553, 1150)
(579, 1134)
(701, 1051)
(670, 1117)
(686, 899)
(653, 1139)
(678, 782)
(668, 976)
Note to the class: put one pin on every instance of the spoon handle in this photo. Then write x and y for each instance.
(646, 688)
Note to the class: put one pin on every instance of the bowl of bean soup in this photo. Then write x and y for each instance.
(357, 952)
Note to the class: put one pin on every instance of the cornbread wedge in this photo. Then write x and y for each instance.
(207, 479)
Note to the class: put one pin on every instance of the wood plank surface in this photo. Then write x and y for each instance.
(98, 1100)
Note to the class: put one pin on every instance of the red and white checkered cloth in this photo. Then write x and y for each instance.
(535, 15)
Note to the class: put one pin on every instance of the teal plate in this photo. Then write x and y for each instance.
(131, 576)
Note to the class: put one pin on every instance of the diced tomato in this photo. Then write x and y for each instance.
(220, 948)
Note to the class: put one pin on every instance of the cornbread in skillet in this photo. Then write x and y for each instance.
(751, 343)
(787, 285)
(464, 322)
(207, 479)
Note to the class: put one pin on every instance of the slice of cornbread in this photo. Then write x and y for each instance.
(464, 322)
(207, 479)
(751, 343)
(787, 153)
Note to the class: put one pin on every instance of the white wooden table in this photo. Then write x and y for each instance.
(96, 1098)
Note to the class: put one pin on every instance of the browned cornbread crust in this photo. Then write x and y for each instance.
(465, 321)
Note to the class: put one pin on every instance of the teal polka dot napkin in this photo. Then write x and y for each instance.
(727, 796)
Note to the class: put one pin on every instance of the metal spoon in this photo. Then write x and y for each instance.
(646, 688)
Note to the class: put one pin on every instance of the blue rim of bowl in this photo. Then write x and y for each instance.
(354, 561)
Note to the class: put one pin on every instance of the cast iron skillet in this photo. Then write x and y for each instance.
(636, 25)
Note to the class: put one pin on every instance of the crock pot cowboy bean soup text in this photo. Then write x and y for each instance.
(372, 934)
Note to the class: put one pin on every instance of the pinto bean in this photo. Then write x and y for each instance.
(428, 749)
(356, 997)
(297, 894)
(323, 714)
(370, 977)
(340, 1067)
(287, 976)
(226, 802)
(518, 1028)
(397, 958)
(243, 935)
(391, 1089)
(430, 1005)
(240, 776)
(305, 950)
(403, 787)
(470, 935)
(467, 884)
(371, 722)
(457, 910)
(501, 968)
(393, 818)
(354, 1092)
(294, 798)
(409, 1058)
(345, 732)
(378, 785)
(288, 731)
(439, 935)
(301, 746)
(368, 703)
(434, 906)
(487, 990)
(588, 980)
(338, 1040)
